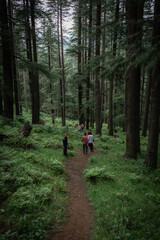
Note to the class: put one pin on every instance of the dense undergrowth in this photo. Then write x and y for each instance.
(33, 190)
(124, 195)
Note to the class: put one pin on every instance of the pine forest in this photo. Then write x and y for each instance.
(69, 70)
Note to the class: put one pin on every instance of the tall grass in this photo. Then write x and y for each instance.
(33, 190)
(128, 207)
(124, 196)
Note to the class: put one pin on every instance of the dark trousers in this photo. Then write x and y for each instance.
(65, 151)
(91, 146)
(85, 148)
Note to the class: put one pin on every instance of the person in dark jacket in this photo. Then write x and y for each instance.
(65, 144)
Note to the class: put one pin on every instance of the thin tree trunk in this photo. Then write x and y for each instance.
(142, 95)
(60, 65)
(110, 108)
(25, 90)
(139, 33)
(28, 43)
(146, 108)
(103, 89)
(14, 70)
(111, 84)
(6, 62)
(50, 85)
(152, 149)
(1, 99)
(80, 89)
(89, 70)
(97, 72)
(35, 80)
(63, 74)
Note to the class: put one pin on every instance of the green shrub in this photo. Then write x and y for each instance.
(19, 142)
(97, 173)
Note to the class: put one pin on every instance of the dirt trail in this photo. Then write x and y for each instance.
(79, 222)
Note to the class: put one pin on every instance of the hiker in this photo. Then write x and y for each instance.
(82, 126)
(65, 144)
(89, 132)
(90, 141)
(85, 143)
(79, 128)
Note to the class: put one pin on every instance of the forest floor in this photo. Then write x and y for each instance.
(79, 221)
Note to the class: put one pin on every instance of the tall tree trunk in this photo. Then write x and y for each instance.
(139, 33)
(85, 70)
(110, 117)
(60, 65)
(152, 149)
(14, 70)
(25, 90)
(146, 108)
(49, 66)
(110, 108)
(133, 78)
(103, 89)
(35, 80)
(80, 89)
(63, 74)
(97, 72)
(6, 62)
(1, 99)
(142, 95)
(28, 42)
(89, 70)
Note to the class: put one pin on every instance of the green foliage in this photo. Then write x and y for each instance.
(128, 207)
(119, 120)
(34, 196)
(19, 142)
(33, 181)
(97, 173)
(33, 177)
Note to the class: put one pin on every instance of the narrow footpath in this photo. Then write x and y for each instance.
(79, 222)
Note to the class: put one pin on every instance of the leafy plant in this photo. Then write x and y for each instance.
(97, 173)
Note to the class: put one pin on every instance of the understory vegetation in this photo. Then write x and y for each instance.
(33, 190)
(124, 195)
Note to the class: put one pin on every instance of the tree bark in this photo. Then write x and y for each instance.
(80, 89)
(1, 99)
(111, 83)
(152, 149)
(49, 66)
(133, 78)
(97, 71)
(35, 80)
(28, 42)
(63, 73)
(6, 62)
(103, 88)
(88, 70)
(13, 59)
(60, 65)
(139, 33)
(25, 90)
(146, 108)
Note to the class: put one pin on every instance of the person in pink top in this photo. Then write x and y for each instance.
(84, 140)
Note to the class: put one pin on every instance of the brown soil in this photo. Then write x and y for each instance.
(79, 222)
